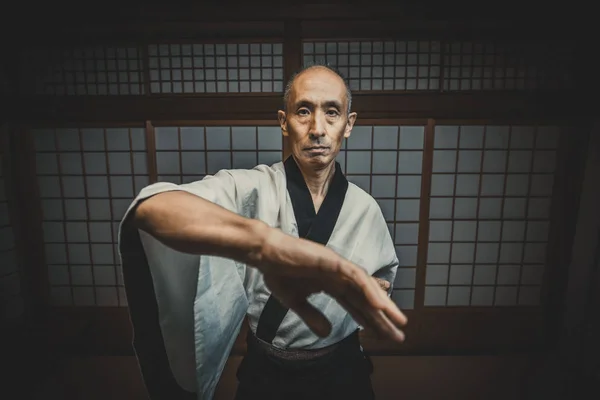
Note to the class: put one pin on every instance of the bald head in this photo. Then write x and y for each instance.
(328, 71)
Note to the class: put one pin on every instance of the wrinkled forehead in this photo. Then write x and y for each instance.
(318, 85)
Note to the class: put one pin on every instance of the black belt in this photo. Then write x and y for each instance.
(256, 344)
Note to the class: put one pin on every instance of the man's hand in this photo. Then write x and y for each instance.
(295, 268)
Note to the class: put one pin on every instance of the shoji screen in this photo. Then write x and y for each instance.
(10, 279)
(435, 65)
(503, 66)
(377, 65)
(491, 192)
(167, 69)
(216, 68)
(87, 178)
(87, 70)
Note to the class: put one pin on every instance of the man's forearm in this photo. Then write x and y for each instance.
(191, 224)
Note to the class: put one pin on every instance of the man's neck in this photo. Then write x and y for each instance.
(318, 181)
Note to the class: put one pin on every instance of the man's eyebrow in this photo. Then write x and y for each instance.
(330, 103)
(333, 103)
(302, 103)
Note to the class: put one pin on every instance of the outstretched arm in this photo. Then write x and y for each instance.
(293, 268)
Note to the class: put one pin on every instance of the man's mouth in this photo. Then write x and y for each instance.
(317, 148)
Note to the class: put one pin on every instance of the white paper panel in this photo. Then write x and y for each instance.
(87, 178)
(491, 191)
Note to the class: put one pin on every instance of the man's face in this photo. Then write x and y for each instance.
(317, 120)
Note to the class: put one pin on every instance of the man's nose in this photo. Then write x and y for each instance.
(317, 127)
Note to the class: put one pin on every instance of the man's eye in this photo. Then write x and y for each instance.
(332, 113)
(303, 111)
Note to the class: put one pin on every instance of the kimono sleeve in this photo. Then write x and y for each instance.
(388, 258)
(163, 288)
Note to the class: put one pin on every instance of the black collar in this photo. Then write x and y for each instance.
(315, 229)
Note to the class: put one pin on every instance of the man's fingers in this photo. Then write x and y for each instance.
(370, 318)
(315, 320)
(371, 304)
(388, 328)
(378, 322)
(392, 311)
(394, 314)
(379, 310)
(379, 299)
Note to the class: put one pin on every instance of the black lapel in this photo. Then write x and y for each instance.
(304, 209)
(315, 227)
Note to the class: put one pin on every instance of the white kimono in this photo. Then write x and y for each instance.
(200, 301)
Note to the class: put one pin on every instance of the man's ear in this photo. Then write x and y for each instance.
(282, 117)
(350, 124)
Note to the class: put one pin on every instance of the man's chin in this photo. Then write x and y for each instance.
(317, 161)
